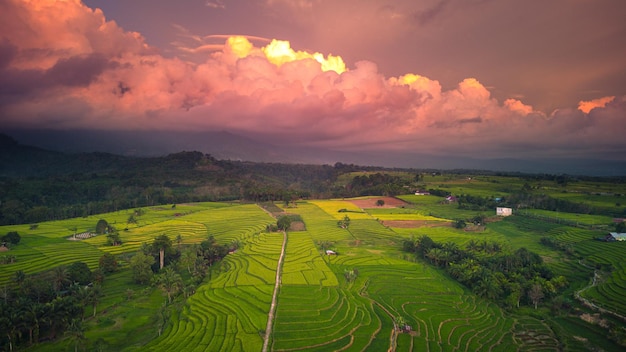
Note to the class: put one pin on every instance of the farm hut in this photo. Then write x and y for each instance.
(422, 193)
(502, 211)
(615, 236)
(451, 199)
(329, 252)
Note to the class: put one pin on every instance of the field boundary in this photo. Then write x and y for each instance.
(272, 313)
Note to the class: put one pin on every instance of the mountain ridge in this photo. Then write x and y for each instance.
(225, 145)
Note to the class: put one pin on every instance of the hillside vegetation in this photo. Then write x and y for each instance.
(361, 270)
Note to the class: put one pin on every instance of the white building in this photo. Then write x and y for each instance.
(501, 211)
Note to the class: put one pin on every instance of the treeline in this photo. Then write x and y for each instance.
(38, 185)
(529, 200)
(376, 184)
(489, 271)
(51, 304)
(89, 188)
(139, 182)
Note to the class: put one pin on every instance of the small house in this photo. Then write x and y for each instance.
(615, 236)
(329, 252)
(422, 193)
(502, 211)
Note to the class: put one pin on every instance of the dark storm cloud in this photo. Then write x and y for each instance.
(75, 71)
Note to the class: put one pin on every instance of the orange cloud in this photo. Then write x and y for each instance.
(279, 52)
(587, 106)
(518, 107)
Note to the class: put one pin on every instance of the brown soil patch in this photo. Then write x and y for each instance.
(411, 224)
(390, 202)
(3, 249)
(297, 226)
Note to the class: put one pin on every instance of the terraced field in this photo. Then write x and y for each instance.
(48, 245)
(323, 319)
(229, 313)
(345, 302)
(303, 263)
(359, 315)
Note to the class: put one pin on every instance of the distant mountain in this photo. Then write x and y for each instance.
(229, 146)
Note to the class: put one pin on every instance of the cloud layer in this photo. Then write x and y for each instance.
(65, 66)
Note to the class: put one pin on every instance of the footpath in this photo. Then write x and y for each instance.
(272, 313)
(588, 303)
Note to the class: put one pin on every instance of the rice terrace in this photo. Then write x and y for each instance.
(431, 269)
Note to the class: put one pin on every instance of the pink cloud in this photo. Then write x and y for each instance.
(587, 106)
(64, 65)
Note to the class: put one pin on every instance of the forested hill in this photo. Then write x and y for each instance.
(38, 185)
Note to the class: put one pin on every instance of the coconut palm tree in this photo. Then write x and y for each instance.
(31, 313)
(60, 277)
(76, 333)
(162, 243)
(170, 282)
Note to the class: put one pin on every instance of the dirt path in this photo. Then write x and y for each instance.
(588, 303)
(272, 313)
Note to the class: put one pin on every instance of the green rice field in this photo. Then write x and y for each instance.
(346, 301)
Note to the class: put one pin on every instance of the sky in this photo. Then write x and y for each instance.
(487, 78)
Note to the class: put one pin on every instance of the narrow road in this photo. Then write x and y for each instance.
(272, 313)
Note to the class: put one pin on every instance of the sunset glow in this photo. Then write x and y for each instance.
(65, 65)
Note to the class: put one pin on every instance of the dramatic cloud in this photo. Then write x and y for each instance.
(64, 66)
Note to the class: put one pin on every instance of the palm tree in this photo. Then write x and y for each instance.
(188, 258)
(91, 295)
(472, 245)
(31, 315)
(9, 323)
(488, 287)
(435, 255)
(170, 282)
(162, 243)
(60, 277)
(76, 333)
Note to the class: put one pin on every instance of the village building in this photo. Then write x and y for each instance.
(502, 211)
(422, 193)
(615, 236)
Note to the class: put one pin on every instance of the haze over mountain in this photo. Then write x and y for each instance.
(503, 85)
(228, 146)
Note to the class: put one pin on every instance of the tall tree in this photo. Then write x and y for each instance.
(31, 313)
(102, 226)
(283, 223)
(60, 278)
(141, 267)
(80, 272)
(188, 258)
(169, 281)
(91, 295)
(162, 243)
(108, 263)
(535, 293)
(76, 333)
